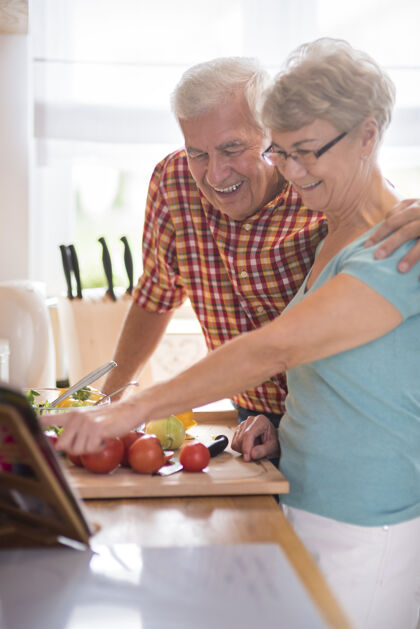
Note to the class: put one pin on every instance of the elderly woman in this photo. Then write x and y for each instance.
(350, 440)
(349, 341)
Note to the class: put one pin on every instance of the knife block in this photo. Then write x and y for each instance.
(90, 328)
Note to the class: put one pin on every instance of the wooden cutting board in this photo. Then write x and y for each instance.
(226, 474)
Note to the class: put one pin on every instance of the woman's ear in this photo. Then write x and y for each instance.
(369, 137)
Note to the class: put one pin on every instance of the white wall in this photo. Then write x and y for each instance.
(15, 151)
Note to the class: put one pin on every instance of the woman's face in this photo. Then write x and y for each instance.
(333, 178)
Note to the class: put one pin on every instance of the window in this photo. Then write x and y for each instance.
(103, 72)
(387, 31)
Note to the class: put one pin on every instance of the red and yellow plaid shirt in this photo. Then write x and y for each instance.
(238, 275)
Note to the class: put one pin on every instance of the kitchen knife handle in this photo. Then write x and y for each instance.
(218, 445)
(76, 270)
(106, 261)
(67, 269)
(128, 261)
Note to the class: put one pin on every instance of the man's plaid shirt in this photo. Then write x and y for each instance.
(238, 275)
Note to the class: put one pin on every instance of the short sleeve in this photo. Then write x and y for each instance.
(160, 288)
(401, 289)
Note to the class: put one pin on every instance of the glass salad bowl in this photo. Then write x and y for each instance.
(40, 399)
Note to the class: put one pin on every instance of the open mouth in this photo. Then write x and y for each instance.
(228, 189)
(310, 186)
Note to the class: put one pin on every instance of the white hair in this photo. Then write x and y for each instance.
(208, 85)
(331, 80)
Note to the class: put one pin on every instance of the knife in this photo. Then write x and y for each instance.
(128, 261)
(76, 269)
(106, 261)
(217, 446)
(67, 269)
(92, 376)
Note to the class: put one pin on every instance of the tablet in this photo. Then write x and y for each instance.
(37, 504)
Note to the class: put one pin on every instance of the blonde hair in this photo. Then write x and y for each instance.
(329, 79)
(207, 85)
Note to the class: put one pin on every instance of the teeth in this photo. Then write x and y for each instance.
(310, 185)
(229, 189)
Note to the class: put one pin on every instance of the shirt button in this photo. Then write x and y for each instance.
(243, 274)
(247, 226)
(260, 309)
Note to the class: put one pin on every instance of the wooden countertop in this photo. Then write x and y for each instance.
(169, 521)
(195, 521)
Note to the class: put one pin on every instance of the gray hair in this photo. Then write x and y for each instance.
(329, 79)
(208, 85)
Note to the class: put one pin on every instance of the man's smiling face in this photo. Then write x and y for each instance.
(224, 150)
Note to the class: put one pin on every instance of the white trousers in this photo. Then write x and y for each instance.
(374, 572)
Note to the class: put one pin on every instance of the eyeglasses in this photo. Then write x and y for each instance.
(302, 156)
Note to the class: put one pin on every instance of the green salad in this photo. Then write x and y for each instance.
(83, 397)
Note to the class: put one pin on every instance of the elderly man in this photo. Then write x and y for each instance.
(224, 229)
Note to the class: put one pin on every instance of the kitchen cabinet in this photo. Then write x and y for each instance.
(14, 17)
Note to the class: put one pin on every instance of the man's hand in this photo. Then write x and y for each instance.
(256, 438)
(401, 224)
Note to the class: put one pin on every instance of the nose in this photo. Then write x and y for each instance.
(292, 169)
(218, 170)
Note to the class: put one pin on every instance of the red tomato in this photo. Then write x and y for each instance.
(145, 455)
(75, 459)
(107, 459)
(127, 440)
(194, 457)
